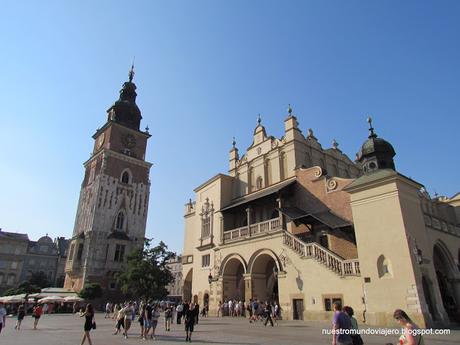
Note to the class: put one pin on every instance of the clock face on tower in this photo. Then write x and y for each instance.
(129, 141)
(100, 141)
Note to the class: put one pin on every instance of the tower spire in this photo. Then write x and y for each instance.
(131, 72)
(371, 129)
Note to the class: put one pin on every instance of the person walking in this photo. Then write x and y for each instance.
(116, 309)
(340, 322)
(189, 320)
(196, 312)
(168, 317)
(128, 312)
(155, 317)
(21, 315)
(108, 310)
(179, 310)
(37, 313)
(2, 316)
(355, 337)
(89, 323)
(141, 318)
(147, 319)
(268, 314)
(120, 321)
(409, 335)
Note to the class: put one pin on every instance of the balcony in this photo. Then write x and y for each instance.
(253, 230)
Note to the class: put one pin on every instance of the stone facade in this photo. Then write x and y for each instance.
(175, 288)
(20, 257)
(112, 209)
(306, 226)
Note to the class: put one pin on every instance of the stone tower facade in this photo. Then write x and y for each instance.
(112, 209)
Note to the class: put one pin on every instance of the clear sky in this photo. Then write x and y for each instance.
(204, 70)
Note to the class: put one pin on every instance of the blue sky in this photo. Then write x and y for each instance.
(204, 70)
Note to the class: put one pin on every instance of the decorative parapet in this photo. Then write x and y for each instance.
(440, 225)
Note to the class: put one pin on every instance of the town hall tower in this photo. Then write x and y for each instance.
(112, 209)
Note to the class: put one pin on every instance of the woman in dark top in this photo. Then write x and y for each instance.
(89, 323)
(21, 314)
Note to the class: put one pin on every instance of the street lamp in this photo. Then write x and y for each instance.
(210, 278)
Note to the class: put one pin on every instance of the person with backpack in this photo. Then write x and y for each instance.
(168, 317)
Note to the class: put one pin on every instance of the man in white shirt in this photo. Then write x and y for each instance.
(2, 317)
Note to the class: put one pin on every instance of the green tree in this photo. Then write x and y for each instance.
(35, 283)
(39, 279)
(146, 273)
(91, 291)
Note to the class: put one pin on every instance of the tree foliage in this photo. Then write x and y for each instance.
(146, 273)
(35, 283)
(91, 291)
(39, 279)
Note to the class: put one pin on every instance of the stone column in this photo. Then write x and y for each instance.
(222, 239)
(280, 214)
(247, 287)
(248, 215)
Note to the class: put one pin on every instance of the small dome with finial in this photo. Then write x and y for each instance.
(376, 153)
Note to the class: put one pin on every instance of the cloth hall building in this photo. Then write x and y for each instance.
(306, 226)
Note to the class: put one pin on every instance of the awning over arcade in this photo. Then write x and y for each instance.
(322, 217)
(259, 194)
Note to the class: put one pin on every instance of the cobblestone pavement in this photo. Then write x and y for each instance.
(67, 330)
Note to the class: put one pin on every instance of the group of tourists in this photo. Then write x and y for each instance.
(147, 314)
(345, 327)
(255, 310)
(37, 312)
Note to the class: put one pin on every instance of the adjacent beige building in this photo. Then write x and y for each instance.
(307, 226)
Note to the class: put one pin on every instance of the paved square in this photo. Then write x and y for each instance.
(68, 329)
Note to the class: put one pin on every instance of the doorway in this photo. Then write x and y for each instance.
(297, 309)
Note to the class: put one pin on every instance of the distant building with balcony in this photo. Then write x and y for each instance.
(305, 226)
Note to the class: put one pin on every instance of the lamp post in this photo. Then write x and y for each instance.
(210, 278)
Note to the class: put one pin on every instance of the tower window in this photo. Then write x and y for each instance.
(120, 221)
(119, 253)
(125, 177)
(80, 251)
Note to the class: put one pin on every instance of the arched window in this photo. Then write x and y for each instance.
(126, 177)
(120, 220)
(384, 267)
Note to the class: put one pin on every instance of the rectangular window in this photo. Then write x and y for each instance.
(330, 300)
(14, 265)
(206, 227)
(205, 260)
(72, 248)
(80, 251)
(119, 253)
